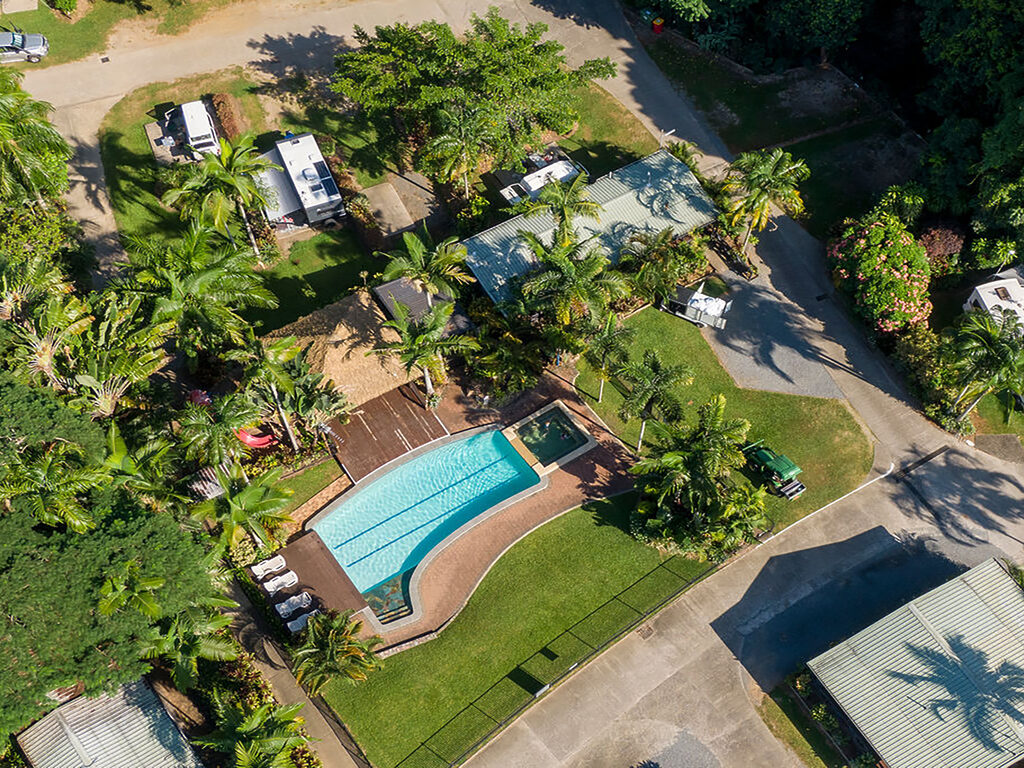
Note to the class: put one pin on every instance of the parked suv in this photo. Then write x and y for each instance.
(15, 45)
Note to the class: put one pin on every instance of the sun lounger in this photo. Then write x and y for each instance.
(292, 604)
(299, 624)
(285, 580)
(269, 566)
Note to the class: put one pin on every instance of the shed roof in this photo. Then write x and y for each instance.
(937, 683)
(129, 729)
(651, 194)
(404, 291)
(339, 336)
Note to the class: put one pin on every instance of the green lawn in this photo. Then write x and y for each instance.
(70, 41)
(128, 162)
(750, 112)
(310, 482)
(819, 434)
(608, 136)
(793, 728)
(551, 579)
(316, 272)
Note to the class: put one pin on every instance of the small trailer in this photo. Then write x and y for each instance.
(778, 470)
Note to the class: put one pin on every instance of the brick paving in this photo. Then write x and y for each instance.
(449, 579)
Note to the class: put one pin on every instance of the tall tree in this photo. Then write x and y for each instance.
(332, 649)
(657, 261)
(144, 470)
(763, 178)
(267, 730)
(988, 355)
(193, 634)
(54, 636)
(51, 484)
(199, 285)
(651, 392)
(33, 154)
(209, 432)
(256, 508)
(687, 465)
(608, 349)
(221, 183)
(565, 202)
(574, 284)
(434, 269)
(267, 373)
(423, 344)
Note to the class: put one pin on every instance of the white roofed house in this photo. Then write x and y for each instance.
(303, 191)
(1004, 291)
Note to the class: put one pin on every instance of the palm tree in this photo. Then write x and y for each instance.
(193, 634)
(760, 179)
(574, 285)
(433, 269)
(657, 262)
(220, 183)
(423, 344)
(314, 400)
(209, 432)
(566, 202)
(608, 349)
(332, 649)
(29, 145)
(267, 372)
(118, 351)
(650, 392)
(689, 464)
(27, 282)
(144, 470)
(989, 355)
(268, 730)
(198, 285)
(127, 588)
(463, 139)
(50, 483)
(45, 341)
(256, 507)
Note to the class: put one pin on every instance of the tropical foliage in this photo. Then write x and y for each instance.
(884, 270)
(656, 262)
(32, 152)
(988, 356)
(651, 383)
(255, 507)
(758, 180)
(263, 736)
(435, 270)
(332, 649)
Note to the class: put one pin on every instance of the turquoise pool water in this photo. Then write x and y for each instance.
(386, 528)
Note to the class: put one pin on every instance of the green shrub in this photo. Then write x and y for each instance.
(473, 216)
(67, 7)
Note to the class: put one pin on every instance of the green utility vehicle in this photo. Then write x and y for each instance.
(779, 471)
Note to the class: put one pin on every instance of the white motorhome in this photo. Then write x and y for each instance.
(194, 121)
(1004, 292)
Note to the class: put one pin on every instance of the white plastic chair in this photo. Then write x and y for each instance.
(299, 624)
(285, 580)
(293, 603)
(268, 566)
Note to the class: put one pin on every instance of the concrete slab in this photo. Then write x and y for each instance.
(387, 208)
(18, 6)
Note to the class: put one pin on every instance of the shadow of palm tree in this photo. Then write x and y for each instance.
(989, 698)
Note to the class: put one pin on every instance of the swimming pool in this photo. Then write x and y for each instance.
(386, 528)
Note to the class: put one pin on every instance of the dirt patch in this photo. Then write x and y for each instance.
(823, 93)
(723, 117)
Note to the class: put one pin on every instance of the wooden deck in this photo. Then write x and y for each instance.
(320, 575)
(383, 429)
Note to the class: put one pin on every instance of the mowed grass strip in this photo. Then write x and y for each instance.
(546, 583)
(819, 434)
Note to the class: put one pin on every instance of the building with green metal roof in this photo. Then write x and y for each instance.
(650, 194)
(938, 683)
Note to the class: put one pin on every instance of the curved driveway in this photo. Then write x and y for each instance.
(684, 696)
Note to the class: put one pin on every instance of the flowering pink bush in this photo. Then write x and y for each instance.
(880, 265)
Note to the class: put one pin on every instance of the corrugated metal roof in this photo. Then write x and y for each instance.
(939, 683)
(656, 192)
(129, 729)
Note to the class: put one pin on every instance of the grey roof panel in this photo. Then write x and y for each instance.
(656, 192)
(921, 684)
(129, 729)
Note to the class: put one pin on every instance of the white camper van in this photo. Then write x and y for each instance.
(194, 121)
